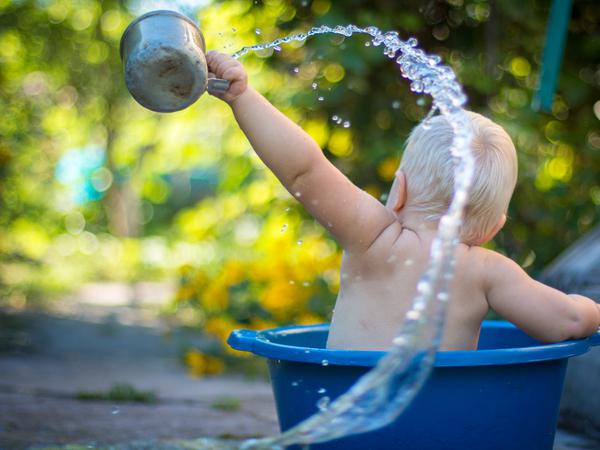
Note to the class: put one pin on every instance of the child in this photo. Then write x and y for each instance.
(386, 248)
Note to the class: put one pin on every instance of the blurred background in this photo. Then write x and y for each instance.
(95, 188)
(107, 205)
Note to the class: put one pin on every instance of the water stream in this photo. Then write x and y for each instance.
(383, 393)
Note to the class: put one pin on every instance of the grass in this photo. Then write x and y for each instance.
(227, 403)
(118, 393)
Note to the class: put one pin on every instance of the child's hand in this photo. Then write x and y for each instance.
(224, 66)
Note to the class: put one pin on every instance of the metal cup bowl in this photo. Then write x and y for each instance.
(163, 58)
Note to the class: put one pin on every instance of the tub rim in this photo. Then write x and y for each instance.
(258, 342)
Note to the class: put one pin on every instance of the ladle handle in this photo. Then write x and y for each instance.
(217, 86)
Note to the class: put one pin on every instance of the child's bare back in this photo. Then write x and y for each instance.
(386, 247)
(377, 288)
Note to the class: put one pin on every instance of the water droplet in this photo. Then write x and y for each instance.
(399, 340)
(373, 31)
(306, 284)
(299, 242)
(320, 98)
(277, 48)
(296, 69)
(307, 351)
(435, 59)
(413, 315)
(421, 101)
(314, 86)
(396, 104)
(424, 287)
(334, 118)
(287, 209)
(323, 403)
(298, 194)
(258, 31)
(294, 383)
(347, 124)
(322, 391)
(443, 296)
(325, 363)
(368, 44)
(284, 227)
(412, 42)
(115, 410)
(416, 86)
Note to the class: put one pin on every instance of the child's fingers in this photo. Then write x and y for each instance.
(219, 62)
(234, 73)
(224, 66)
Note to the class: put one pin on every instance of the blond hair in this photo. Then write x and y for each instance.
(429, 169)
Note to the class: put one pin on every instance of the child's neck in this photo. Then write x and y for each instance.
(418, 222)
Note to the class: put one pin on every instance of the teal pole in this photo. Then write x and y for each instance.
(556, 38)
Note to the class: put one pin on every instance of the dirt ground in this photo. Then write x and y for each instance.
(91, 348)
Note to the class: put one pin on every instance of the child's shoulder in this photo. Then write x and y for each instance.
(486, 256)
(490, 265)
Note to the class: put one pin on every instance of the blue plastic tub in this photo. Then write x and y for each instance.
(505, 395)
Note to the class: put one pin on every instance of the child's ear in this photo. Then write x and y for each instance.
(400, 183)
(494, 230)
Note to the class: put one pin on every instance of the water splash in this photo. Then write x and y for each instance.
(384, 392)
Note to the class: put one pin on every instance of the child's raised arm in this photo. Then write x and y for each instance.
(354, 217)
(544, 313)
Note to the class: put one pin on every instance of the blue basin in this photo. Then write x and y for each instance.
(505, 395)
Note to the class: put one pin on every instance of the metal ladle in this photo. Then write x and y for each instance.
(163, 54)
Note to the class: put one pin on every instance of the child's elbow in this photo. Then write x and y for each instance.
(584, 323)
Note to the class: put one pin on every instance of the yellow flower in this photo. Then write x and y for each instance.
(200, 364)
(184, 293)
(236, 353)
(261, 324)
(233, 272)
(220, 327)
(215, 297)
(308, 319)
(283, 299)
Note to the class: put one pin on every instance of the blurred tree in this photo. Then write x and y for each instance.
(190, 178)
